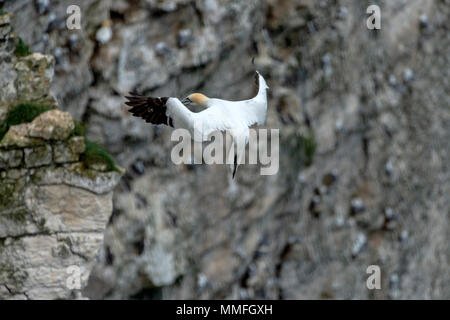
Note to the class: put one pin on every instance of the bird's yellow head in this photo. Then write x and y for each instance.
(197, 99)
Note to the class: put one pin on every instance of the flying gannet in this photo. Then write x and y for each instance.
(234, 117)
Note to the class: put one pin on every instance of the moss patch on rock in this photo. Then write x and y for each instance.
(22, 49)
(6, 195)
(79, 130)
(96, 157)
(22, 113)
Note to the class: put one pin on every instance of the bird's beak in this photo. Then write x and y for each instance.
(186, 101)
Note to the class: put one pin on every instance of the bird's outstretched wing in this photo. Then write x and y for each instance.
(151, 109)
(220, 115)
(172, 112)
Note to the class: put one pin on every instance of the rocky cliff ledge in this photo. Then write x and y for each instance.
(55, 186)
(376, 103)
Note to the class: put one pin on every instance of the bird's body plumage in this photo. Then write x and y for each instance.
(234, 117)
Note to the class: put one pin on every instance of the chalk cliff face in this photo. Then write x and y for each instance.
(53, 208)
(364, 145)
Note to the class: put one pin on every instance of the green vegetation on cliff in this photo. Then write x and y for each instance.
(79, 130)
(22, 113)
(22, 50)
(307, 145)
(96, 154)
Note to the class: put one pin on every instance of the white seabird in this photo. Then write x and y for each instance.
(234, 117)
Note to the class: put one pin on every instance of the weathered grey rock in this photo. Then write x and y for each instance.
(151, 248)
(68, 151)
(15, 222)
(77, 175)
(5, 23)
(8, 91)
(52, 214)
(51, 226)
(10, 158)
(7, 47)
(43, 270)
(51, 125)
(17, 136)
(34, 76)
(38, 156)
(64, 208)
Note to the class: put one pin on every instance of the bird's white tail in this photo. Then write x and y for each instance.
(262, 85)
